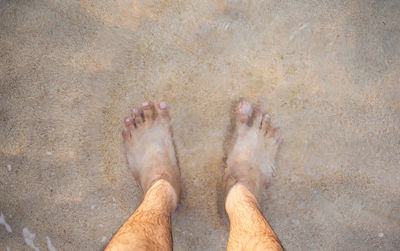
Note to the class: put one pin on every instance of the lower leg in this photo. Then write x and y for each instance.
(149, 227)
(249, 230)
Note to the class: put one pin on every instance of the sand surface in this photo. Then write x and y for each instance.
(327, 71)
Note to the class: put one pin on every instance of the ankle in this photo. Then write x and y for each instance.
(162, 191)
(239, 195)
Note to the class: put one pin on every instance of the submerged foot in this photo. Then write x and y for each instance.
(149, 147)
(251, 162)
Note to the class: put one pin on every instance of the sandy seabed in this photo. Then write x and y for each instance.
(327, 71)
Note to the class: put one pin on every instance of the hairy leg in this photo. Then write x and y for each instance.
(249, 230)
(250, 165)
(151, 157)
(149, 227)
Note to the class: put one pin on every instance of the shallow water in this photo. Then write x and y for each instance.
(328, 73)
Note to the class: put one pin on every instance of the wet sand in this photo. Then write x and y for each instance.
(328, 73)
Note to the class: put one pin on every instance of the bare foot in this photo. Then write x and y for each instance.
(149, 147)
(251, 162)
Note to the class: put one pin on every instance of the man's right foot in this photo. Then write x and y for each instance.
(251, 161)
(149, 147)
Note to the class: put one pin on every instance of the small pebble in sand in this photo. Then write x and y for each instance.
(92, 206)
(380, 235)
(9, 167)
(48, 153)
(103, 239)
(100, 225)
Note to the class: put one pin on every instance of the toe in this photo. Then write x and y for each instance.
(257, 118)
(126, 134)
(129, 123)
(273, 132)
(148, 112)
(243, 112)
(266, 123)
(162, 110)
(137, 115)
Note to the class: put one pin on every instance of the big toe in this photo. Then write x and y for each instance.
(243, 112)
(162, 111)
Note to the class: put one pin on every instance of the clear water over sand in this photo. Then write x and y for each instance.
(327, 71)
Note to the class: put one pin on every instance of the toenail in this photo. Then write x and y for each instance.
(163, 105)
(245, 108)
(128, 121)
(145, 104)
(267, 116)
(134, 110)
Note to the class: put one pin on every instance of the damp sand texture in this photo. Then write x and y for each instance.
(327, 71)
